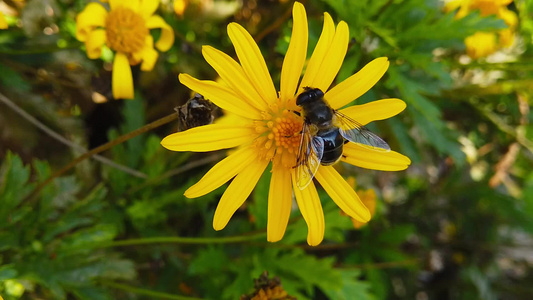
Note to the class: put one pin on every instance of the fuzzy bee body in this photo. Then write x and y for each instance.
(324, 133)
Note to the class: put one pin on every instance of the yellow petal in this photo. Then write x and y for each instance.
(91, 17)
(342, 193)
(148, 54)
(311, 209)
(481, 44)
(122, 78)
(208, 138)
(167, 33)
(3, 22)
(148, 7)
(510, 18)
(375, 110)
(506, 37)
(220, 95)
(279, 203)
(95, 41)
(252, 62)
(233, 74)
(374, 159)
(296, 54)
(131, 4)
(321, 49)
(237, 192)
(357, 84)
(333, 59)
(222, 172)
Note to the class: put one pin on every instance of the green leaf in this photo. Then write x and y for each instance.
(212, 259)
(12, 79)
(88, 237)
(133, 114)
(7, 272)
(352, 288)
(298, 271)
(14, 187)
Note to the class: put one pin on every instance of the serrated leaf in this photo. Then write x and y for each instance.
(307, 270)
(352, 287)
(14, 187)
(89, 236)
(212, 259)
(447, 27)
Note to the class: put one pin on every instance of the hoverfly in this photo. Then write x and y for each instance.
(196, 112)
(324, 133)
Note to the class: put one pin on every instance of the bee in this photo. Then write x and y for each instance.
(324, 133)
(196, 112)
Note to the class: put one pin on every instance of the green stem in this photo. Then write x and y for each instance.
(182, 240)
(152, 294)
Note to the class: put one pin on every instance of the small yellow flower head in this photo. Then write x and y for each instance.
(482, 44)
(125, 29)
(180, 6)
(268, 131)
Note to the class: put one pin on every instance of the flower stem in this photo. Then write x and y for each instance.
(104, 147)
(151, 294)
(182, 240)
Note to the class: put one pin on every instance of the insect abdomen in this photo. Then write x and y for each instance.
(333, 143)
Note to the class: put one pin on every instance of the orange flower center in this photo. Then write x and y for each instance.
(279, 138)
(486, 7)
(126, 30)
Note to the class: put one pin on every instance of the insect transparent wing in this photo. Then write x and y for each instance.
(309, 157)
(357, 133)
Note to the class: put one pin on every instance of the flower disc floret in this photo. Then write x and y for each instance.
(279, 138)
(125, 30)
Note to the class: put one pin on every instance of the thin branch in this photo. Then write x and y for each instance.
(104, 147)
(65, 141)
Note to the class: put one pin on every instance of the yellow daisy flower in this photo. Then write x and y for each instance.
(482, 44)
(269, 130)
(125, 28)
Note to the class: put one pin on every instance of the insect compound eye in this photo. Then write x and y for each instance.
(317, 93)
(309, 95)
(303, 98)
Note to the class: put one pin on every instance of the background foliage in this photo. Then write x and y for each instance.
(456, 225)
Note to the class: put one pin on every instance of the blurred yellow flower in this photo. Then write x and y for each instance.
(179, 6)
(125, 28)
(3, 22)
(268, 130)
(482, 44)
(368, 197)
